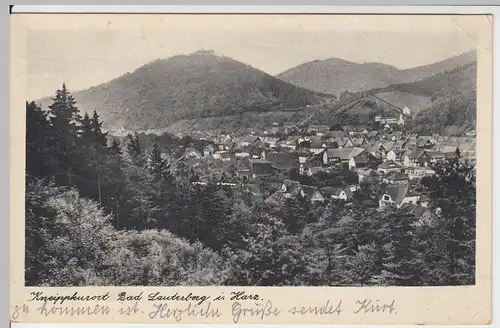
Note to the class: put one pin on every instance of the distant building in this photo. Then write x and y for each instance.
(312, 194)
(396, 178)
(398, 195)
(337, 193)
(261, 168)
(427, 158)
(343, 157)
(389, 166)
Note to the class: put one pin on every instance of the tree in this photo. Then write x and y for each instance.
(100, 138)
(40, 159)
(158, 165)
(115, 147)
(70, 241)
(453, 195)
(86, 128)
(134, 149)
(270, 257)
(65, 119)
(402, 264)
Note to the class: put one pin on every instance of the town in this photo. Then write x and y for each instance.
(289, 158)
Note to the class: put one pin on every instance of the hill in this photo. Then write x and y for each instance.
(444, 103)
(190, 87)
(453, 110)
(336, 75)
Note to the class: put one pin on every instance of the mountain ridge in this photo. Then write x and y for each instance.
(182, 87)
(335, 75)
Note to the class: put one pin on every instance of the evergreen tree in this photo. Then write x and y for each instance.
(86, 128)
(158, 165)
(39, 156)
(115, 147)
(271, 257)
(402, 263)
(134, 149)
(99, 137)
(64, 117)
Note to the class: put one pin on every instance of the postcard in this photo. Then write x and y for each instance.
(251, 168)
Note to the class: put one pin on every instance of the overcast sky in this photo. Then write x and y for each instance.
(86, 57)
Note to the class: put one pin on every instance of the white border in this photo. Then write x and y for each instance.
(311, 9)
(254, 9)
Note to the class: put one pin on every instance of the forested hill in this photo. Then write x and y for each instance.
(186, 87)
(453, 94)
(336, 75)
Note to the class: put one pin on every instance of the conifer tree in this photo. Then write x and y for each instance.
(65, 116)
(158, 165)
(100, 137)
(86, 129)
(39, 156)
(134, 149)
(65, 119)
(115, 147)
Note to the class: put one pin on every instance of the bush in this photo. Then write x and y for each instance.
(70, 241)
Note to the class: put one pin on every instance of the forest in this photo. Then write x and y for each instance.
(124, 215)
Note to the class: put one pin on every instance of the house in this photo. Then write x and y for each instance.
(283, 161)
(467, 149)
(358, 141)
(390, 155)
(315, 170)
(410, 158)
(398, 135)
(389, 166)
(368, 176)
(416, 173)
(430, 157)
(192, 153)
(424, 215)
(312, 194)
(342, 157)
(373, 148)
(241, 150)
(386, 146)
(274, 131)
(395, 178)
(222, 143)
(317, 145)
(244, 172)
(337, 193)
(360, 160)
(261, 168)
(448, 149)
(373, 135)
(426, 142)
(337, 134)
(318, 128)
(289, 185)
(352, 187)
(406, 111)
(258, 152)
(410, 143)
(398, 195)
(251, 141)
(208, 150)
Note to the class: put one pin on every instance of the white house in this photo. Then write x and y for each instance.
(390, 155)
(398, 195)
(389, 166)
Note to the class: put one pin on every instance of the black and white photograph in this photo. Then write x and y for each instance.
(327, 154)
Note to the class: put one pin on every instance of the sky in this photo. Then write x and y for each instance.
(84, 57)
